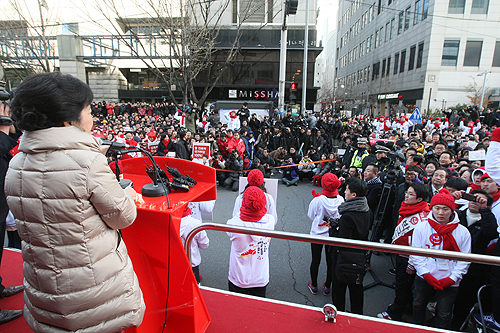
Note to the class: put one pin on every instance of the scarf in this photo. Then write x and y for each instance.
(355, 204)
(475, 186)
(183, 119)
(444, 231)
(437, 124)
(408, 210)
(496, 196)
(471, 129)
(386, 128)
(375, 180)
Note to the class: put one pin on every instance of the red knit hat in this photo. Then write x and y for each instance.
(443, 198)
(485, 175)
(152, 134)
(330, 184)
(253, 206)
(255, 178)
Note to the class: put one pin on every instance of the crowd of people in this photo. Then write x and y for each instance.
(443, 172)
(436, 168)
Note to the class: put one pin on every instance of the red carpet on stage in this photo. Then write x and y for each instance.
(11, 272)
(234, 313)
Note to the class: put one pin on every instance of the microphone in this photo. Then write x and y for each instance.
(116, 145)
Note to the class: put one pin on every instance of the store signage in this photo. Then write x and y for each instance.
(267, 94)
(389, 96)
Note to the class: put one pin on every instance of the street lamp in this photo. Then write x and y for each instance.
(484, 84)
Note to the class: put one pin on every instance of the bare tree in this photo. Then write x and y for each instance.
(26, 45)
(474, 93)
(189, 31)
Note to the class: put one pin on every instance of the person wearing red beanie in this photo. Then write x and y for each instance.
(256, 178)
(326, 203)
(249, 258)
(441, 231)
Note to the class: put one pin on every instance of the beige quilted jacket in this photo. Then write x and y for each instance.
(68, 207)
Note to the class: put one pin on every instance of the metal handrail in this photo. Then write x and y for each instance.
(342, 242)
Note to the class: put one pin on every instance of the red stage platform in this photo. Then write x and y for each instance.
(232, 312)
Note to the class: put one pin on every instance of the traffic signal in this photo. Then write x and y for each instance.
(294, 87)
(291, 7)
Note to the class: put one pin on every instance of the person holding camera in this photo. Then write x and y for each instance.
(234, 164)
(481, 223)
(350, 264)
(324, 204)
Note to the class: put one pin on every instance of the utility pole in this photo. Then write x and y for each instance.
(284, 40)
(484, 84)
(304, 66)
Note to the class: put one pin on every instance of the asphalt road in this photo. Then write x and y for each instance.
(289, 260)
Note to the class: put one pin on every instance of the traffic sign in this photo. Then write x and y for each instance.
(416, 117)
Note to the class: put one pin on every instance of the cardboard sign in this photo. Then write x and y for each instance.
(270, 184)
(477, 155)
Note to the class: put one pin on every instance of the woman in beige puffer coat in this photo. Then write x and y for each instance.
(68, 208)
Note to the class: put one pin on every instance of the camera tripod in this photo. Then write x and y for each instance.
(388, 194)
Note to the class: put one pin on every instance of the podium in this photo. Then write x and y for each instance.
(173, 300)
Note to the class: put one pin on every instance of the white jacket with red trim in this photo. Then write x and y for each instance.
(424, 236)
(319, 207)
(249, 259)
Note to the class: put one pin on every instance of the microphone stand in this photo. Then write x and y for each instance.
(152, 189)
(124, 183)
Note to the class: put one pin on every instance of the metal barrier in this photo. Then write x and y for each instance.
(342, 242)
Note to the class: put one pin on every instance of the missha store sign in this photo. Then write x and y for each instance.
(389, 96)
(258, 94)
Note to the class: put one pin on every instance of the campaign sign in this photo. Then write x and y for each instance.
(200, 149)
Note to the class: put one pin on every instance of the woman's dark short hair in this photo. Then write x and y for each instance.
(357, 186)
(49, 99)
(420, 190)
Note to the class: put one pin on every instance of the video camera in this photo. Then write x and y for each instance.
(334, 225)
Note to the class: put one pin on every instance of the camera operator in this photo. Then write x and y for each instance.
(234, 163)
(350, 264)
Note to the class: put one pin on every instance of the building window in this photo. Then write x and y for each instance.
(456, 7)
(473, 53)
(396, 63)
(389, 2)
(377, 35)
(403, 61)
(425, 11)
(376, 71)
(416, 16)
(388, 66)
(387, 31)
(420, 55)
(450, 53)
(251, 11)
(407, 18)
(480, 7)
(379, 7)
(393, 26)
(411, 63)
(496, 55)
(384, 63)
(400, 22)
